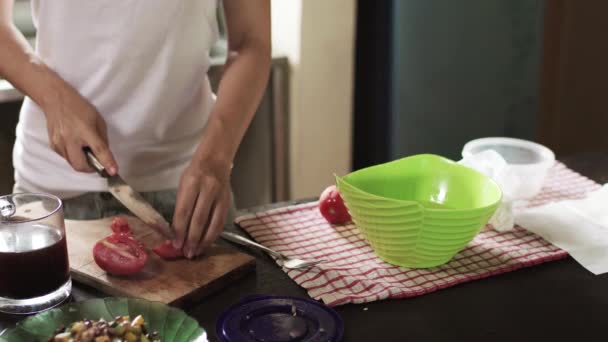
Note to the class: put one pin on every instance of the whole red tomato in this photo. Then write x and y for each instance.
(332, 206)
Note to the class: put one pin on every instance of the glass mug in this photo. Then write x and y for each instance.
(34, 266)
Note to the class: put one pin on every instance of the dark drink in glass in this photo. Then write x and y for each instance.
(34, 266)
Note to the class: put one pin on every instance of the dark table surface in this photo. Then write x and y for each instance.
(555, 301)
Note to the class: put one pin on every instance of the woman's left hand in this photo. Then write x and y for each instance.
(203, 202)
(203, 197)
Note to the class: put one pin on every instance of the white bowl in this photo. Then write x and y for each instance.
(526, 160)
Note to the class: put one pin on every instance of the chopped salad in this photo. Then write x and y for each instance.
(121, 329)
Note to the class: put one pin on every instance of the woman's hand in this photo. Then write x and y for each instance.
(203, 202)
(73, 123)
(203, 197)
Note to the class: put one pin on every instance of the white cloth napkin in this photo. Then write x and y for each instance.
(493, 165)
(579, 227)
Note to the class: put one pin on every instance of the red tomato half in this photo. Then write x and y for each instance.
(120, 254)
(332, 206)
(166, 251)
(120, 226)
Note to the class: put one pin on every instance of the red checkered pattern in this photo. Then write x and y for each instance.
(354, 274)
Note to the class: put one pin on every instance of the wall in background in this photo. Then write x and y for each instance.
(318, 38)
(463, 70)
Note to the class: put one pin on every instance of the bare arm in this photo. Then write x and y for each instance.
(203, 198)
(19, 64)
(72, 121)
(244, 79)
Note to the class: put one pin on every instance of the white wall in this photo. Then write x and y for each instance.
(286, 23)
(318, 37)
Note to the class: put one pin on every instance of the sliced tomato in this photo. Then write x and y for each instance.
(120, 226)
(120, 254)
(166, 251)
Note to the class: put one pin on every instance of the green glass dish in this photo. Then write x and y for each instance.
(419, 211)
(173, 324)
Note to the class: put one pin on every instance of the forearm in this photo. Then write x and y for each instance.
(239, 94)
(26, 71)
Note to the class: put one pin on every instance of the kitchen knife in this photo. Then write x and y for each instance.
(131, 199)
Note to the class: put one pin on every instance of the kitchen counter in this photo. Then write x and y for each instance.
(555, 301)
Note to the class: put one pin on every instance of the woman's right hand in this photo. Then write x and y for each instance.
(74, 123)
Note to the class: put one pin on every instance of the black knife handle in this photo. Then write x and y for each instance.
(94, 162)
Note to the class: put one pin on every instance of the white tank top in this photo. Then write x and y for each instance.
(143, 64)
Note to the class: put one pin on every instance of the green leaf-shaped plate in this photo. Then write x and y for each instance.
(174, 325)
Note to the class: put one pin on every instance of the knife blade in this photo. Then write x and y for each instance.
(131, 199)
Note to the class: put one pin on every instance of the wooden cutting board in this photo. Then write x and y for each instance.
(176, 282)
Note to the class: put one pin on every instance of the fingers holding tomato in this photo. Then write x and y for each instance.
(166, 251)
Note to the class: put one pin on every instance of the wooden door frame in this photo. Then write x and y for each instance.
(553, 56)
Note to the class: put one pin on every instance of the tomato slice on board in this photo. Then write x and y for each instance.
(120, 254)
(166, 251)
(120, 226)
(332, 206)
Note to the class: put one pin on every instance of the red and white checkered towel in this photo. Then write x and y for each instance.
(354, 274)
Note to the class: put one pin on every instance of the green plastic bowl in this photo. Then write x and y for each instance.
(419, 211)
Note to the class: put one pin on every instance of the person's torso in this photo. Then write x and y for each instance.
(143, 65)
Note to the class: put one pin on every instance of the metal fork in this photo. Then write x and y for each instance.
(287, 262)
